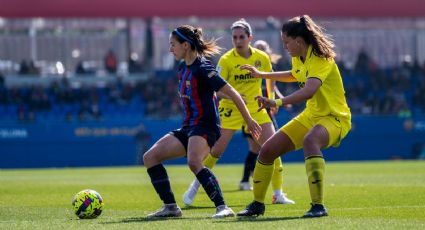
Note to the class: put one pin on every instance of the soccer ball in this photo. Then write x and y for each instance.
(88, 204)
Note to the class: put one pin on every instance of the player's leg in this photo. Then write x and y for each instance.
(279, 197)
(209, 162)
(327, 132)
(198, 148)
(278, 144)
(288, 138)
(219, 147)
(277, 176)
(251, 158)
(168, 147)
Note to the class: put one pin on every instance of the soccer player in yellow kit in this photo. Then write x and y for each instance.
(249, 88)
(324, 122)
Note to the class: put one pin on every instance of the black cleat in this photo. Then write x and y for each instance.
(316, 210)
(254, 209)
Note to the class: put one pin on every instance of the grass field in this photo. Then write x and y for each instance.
(359, 195)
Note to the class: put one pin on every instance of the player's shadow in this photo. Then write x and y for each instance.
(235, 190)
(145, 219)
(225, 220)
(262, 219)
(205, 207)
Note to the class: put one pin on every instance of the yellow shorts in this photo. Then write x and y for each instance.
(232, 119)
(298, 127)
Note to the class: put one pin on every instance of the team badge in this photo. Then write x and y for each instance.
(187, 84)
(211, 74)
(257, 64)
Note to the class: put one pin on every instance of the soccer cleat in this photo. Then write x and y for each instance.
(168, 210)
(281, 199)
(223, 211)
(245, 186)
(316, 210)
(191, 192)
(254, 209)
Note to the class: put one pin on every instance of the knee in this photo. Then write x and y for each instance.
(265, 155)
(195, 166)
(309, 142)
(149, 159)
(217, 152)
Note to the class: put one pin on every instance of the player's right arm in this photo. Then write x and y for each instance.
(283, 76)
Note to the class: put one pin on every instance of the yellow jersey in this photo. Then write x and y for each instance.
(330, 97)
(246, 85)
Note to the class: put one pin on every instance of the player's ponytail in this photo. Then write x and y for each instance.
(194, 37)
(313, 34)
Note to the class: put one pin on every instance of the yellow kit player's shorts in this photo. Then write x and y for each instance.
(232, 119)
(298, 127)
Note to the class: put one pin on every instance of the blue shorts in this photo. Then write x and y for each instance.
(184, 133)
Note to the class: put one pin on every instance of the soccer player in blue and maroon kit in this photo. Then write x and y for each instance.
(198, 82)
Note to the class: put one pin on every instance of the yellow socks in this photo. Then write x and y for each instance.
(210, 161)
(315, 168)
(277, 178)
(261, 180)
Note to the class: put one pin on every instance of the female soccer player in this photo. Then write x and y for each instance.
(198, 82)
(325, 121)
(249, 87)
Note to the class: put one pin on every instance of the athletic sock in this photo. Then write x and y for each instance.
(210, 185)
(277, 178)
(315, 168)
(161, 183)
(261, 180)
(210, 161)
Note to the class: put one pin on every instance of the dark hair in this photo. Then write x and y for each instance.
(241, 23)
(307, 29)
(194, 37)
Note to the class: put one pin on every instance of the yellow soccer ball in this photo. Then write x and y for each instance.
(87, 204)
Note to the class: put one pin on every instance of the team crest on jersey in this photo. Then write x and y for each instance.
(211, 74)
(187, 84)
(257, 64)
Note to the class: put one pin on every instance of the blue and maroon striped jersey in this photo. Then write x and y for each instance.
(197, 84)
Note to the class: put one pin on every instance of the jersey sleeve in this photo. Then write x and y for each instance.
(320, 69)
(212, 76)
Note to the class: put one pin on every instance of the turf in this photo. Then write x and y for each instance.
(359, 195)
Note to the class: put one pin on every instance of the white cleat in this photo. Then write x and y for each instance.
(168, 210)
(191, 192)
(223, 211)
(281, 199)
(245, 186)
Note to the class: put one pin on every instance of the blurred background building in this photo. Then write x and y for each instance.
(95, 80)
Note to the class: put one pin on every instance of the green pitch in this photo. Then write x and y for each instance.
(360, 195)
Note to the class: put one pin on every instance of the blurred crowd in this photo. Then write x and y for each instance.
(370, 90)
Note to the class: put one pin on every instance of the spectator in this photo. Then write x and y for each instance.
(111, 62)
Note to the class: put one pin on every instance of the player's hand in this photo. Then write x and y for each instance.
(254, 129)
(264, 102)
(252, 70)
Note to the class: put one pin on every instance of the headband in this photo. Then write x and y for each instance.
(182, 36)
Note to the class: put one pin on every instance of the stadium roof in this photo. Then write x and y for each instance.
(215, 8)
